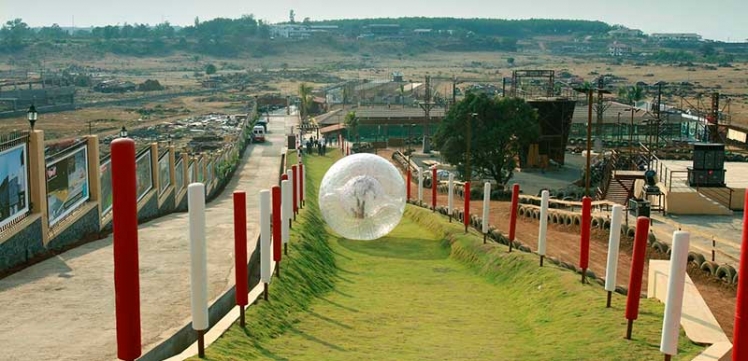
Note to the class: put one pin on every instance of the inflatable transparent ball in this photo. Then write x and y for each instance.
(362, 197)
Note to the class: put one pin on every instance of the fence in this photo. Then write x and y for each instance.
(56, 197)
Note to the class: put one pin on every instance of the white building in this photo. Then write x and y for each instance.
(676, 36)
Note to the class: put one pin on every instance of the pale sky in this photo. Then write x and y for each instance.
(717, 19)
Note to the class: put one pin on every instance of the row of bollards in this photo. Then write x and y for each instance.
(287, 199)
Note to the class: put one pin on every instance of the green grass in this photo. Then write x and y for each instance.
(427, 291)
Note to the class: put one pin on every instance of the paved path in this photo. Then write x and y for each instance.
(63, 308)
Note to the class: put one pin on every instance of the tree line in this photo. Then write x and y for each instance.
(218, 36)
(230, 37)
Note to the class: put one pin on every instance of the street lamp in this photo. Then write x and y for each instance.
(32, 115)
(123, 132)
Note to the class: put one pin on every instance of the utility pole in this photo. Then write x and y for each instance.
(600, 109)
(427, 106)
(714, 136)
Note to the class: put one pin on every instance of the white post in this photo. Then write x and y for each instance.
(450, 194)
(302, 184)
(298, 187)
(286, 210)
(611, 270)
(543, 232)
(486, 203)
(675, 284)
(420, 185)
(289, 173)
(265, 247)
(198, 256)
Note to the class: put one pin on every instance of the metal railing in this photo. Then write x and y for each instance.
(721, 195)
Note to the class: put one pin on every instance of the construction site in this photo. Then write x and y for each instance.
(676, 160)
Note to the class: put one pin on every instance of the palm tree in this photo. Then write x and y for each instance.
(351, 122)
(631, 94)
(305, 93)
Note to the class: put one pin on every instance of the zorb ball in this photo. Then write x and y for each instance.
(362, 197)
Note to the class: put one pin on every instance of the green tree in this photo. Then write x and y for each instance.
(53, 32)
(499, 128)
(351, 124)
(510, 61)
(707, 50)
(210, 69)
(14, 32)
(305, 93)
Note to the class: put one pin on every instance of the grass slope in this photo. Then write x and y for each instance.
(427, 291)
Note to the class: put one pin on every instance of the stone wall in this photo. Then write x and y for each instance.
(23, 246)
(86, 225)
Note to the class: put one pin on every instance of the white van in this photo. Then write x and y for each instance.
(258, 133)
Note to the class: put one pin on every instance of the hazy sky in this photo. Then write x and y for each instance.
(716, 19)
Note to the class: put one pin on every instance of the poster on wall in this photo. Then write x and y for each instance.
(164, 173)
(191, 172)
(105, 171)
(144, 174)
(179, 176)
(14, 195)
(67, 184)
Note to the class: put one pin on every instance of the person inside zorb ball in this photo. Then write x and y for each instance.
(362, 197)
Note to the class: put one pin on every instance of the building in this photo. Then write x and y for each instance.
(290, 31)
(397, 77)
(625, 33)
(618, 49)
(383, 29)
(422, 32)
(676, 36)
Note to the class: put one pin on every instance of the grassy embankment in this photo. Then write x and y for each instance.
(428, 291)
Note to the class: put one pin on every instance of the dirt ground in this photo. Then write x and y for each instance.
(563, 243)
(109, 120)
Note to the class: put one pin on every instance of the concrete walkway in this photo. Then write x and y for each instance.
(63, 308)
(697, 319)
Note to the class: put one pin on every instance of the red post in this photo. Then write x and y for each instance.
(125, 226)
(240, 250)
(466, 218)
(284, 177)
(637, 269)
(433, 189)
(277, 223)
(407, 181)
(513, 219)
(584, 246)
(740, 331)
(295, 189)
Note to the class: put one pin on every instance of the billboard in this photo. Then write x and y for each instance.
(179, 175)
(164, 173)
(67, 184)
(14, 194)
(105, 173)
(144, 174)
